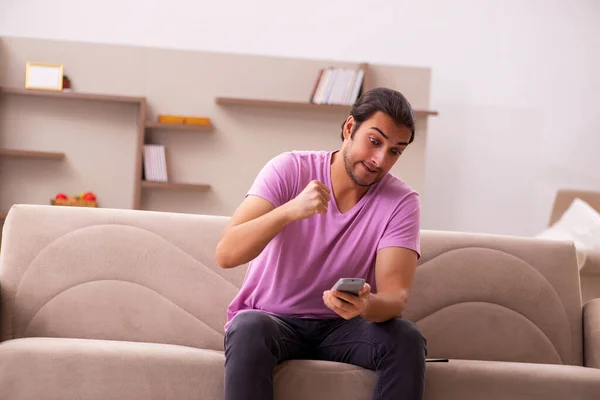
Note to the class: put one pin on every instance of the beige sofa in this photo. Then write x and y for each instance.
(121, 304)
(589, 260)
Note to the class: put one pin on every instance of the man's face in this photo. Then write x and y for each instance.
(374, 149)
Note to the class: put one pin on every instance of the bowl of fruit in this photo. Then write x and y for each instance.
(85, 199)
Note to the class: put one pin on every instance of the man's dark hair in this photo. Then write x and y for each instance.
(388, 101)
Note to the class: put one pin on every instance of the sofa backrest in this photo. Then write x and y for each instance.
(500, 298)
(152, 276)
(114, 274)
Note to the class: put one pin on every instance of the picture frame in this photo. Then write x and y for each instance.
(44, 76)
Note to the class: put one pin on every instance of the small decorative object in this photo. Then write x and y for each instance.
(197, 121)
(44, 76)
(183, 119)
(66, 84)
(171, 119)
(86, 199)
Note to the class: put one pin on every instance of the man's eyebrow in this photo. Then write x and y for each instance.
(385, 136)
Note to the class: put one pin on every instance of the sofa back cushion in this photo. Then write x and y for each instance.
(152, 277)
(114, 274)
(490, 297)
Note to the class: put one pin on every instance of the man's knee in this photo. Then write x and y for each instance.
(249, 327)
(404, 335)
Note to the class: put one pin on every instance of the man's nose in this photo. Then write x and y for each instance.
(378, 158)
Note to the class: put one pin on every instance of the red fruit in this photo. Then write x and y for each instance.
(89, 196)
(61, 196)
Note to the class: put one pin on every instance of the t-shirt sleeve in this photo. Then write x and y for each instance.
(277, 180)
(404, 227)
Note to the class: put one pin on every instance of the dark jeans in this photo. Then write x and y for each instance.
(256, 342)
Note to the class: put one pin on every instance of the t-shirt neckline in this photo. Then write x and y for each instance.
(330, 184)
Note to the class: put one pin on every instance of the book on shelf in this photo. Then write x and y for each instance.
(340, 86)
(155, 163)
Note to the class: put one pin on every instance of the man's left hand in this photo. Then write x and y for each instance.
(353, 305)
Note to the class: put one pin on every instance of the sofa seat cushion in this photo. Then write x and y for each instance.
(490, 380)
(66, 369)
(454, 380)
(322, 380)
(49, 368)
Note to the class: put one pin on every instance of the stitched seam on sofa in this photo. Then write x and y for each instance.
(501, 306)
(117, 280)
(126, 226)
(562, 304)
(535, 270)
(44, 249)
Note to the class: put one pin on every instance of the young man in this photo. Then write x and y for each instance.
(309, 219)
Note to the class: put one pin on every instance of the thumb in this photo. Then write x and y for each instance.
(366, 289)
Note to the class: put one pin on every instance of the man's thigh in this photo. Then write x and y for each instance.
(365, 343)
(251, 330)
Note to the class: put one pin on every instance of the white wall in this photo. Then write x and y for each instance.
(517, 82)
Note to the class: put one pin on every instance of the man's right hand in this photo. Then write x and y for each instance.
(256, 222)
(314, 199)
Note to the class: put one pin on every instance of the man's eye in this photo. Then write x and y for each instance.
(396, 152)
(374, 141)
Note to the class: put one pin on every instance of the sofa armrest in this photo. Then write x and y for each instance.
(589, 272)
(591, 333)
(589, 261)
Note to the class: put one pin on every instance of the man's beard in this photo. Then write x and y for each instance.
(350, 172)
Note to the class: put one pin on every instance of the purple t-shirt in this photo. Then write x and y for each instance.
(307, 257)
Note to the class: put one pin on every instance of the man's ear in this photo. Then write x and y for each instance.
(349, 126)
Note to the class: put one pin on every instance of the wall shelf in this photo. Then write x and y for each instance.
(296, 105)
(179, 127)
(174, 186)
(72, 95)
(123, 96)
(31, 154)
(139, 102)
(143, 125)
